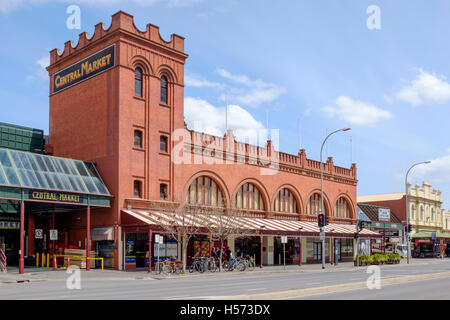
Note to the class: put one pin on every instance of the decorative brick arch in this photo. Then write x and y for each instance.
(294, 192)
(261, 188)
(166, 70)
(143, 63)
(326, 201)
(350, 204)
(215, 178)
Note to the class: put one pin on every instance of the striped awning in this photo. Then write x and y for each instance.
(244, 223)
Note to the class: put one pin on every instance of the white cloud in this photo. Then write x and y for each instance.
(426, 88)
(202, 116)
(437, 171)
(256, 93)
(357, 112)
(193, 80)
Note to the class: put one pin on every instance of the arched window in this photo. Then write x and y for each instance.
(341, 208)
(164, 89)
(138, 82)
(421, 213)
(413, 211)
(205, 191)
(249, 197)
(285, 202)
(432, 215)
(314, 204)
(137, 189)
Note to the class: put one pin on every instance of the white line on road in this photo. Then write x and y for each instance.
(256, 289)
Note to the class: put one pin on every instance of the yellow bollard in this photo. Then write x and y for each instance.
(48, 260)
(37, 260)
(42, 260)
(102, 264)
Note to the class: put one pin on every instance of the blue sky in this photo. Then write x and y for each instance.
(310, 61)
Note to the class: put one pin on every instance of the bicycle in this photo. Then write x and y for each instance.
(249, 262)
(209, 264)
(197, 265)
(235, 263)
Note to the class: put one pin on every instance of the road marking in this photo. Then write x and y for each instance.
(295, 293)
(256, 289)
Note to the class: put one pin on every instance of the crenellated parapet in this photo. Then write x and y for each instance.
(121, 21)
(228, 150)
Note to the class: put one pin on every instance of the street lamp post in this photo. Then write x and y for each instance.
(322, 229)
(408, 238)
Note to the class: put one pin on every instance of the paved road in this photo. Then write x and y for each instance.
(325, 284)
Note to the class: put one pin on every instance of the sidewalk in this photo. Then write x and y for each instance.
(44, 274)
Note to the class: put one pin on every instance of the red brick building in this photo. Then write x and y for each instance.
(117, 99)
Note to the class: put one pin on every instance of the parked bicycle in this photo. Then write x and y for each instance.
(210, 264)
(235, 263)
(249, 263)
(197, 265)
(169, 266)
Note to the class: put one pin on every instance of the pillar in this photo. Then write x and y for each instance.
(22, 230)
(88, 236)
(150, 233)
(268, 255)
(210, 244)
(332, 250)
(300, 253)
(31, 226)
(304, 249)
(261, 246)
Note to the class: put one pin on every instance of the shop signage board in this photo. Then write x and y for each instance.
(384, 214)
(84, 69)
(284, 239)
(9, 224)
(54, 235)
(38, 234)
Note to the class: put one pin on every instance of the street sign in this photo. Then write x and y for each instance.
(322, 236)
(384, 214)
(54, 234)
(38, 234)
(284, 239)
(159, 239)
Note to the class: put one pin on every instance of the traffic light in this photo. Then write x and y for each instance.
(409, 228)
(405, 226)
(326, 220)
(361, 225)
(321, 220)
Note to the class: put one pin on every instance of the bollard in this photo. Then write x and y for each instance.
(48, 260)
(42, 259)
(37, 260)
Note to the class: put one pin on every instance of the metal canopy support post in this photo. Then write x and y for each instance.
(22, 225)
(88, 233)
(210, 244)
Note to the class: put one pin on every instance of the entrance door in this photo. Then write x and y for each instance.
(337, 250)
(317, 251)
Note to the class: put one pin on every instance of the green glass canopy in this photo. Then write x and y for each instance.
(31, 170)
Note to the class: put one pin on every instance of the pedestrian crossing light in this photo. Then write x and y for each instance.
(326, 220)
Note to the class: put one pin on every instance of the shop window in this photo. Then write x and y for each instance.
(138, 189)
(164, 89)
(163, 143)
(163, 194)
(249, 197)
(285, 202)
(138, 82)
(138, 138)
(205, 191)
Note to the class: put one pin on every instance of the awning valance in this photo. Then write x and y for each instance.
(265, 226)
